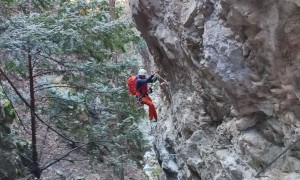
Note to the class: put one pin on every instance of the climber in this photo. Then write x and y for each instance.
(142, 92)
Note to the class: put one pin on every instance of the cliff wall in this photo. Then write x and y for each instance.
(231, 85)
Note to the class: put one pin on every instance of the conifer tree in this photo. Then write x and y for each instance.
(59, 61)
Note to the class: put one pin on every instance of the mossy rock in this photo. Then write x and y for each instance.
(11, 165)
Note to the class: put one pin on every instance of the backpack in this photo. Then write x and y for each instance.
(131, 84)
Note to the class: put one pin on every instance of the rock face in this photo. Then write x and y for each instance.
(231, 85)
(10, 162)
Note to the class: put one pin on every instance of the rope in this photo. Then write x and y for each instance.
(258, 174)
(156, 74)
(168, 84)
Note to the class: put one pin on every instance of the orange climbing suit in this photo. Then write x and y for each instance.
(148, 101)
(142, 91)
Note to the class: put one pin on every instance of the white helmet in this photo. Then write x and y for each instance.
(142, 72)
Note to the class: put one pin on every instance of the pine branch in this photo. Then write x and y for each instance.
(58, 61)
(60, 98)
(53, 71)
(28, 105)
(52, 59)
(79, 87)
(48, 84)
(60, 86)
(82, 102)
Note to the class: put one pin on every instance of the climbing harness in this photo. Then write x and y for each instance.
(138, 101)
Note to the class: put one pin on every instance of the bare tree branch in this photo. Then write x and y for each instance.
(21, 122)
(67, 154)
(59, 86)
(59, 159)
(25, 157)
(112, 9)
(17, 114)
(58, 61)
(48, 84)
(53, 71)
(44, 143)
(80, 87)
(50, 58)
(27, 104)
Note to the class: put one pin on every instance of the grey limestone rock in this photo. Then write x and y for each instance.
(231, 96)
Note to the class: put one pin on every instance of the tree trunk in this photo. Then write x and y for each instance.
(35, 165)
(112, 12)
(122, 175)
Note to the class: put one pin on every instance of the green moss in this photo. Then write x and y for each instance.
(11, 166)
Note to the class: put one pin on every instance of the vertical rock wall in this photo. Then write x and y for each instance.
(231, 85)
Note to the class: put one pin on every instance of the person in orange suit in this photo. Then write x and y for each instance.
(142, 92)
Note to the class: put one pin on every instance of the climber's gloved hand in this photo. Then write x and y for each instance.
(150, 90)
(154, 79)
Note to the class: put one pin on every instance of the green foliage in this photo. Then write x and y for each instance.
(7, 1)
(11, 164)
(7, 110)
(79, 79)
(81, 28)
